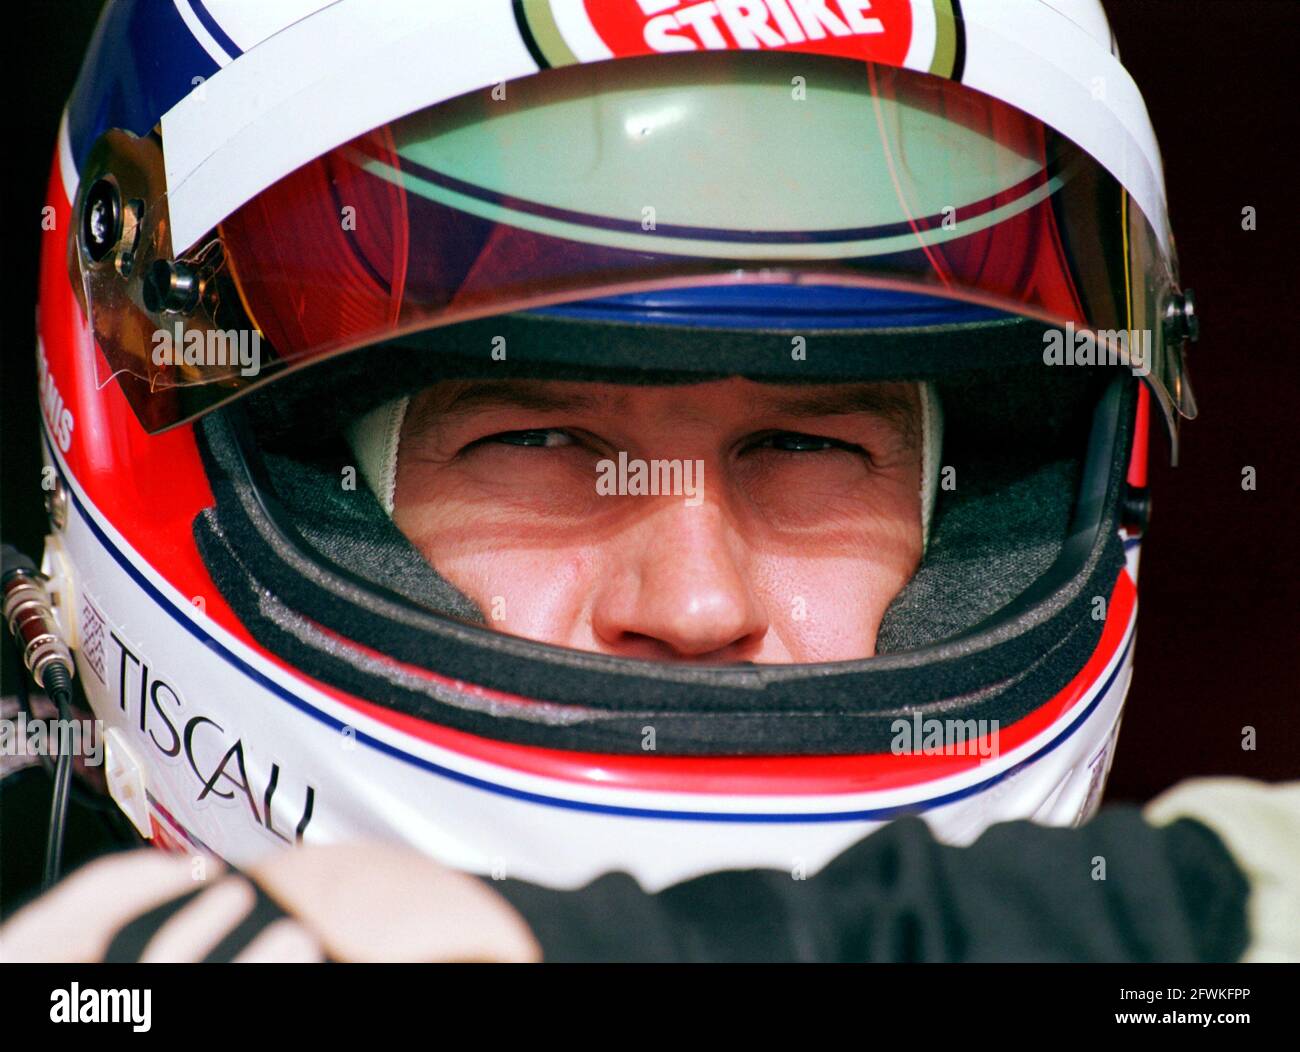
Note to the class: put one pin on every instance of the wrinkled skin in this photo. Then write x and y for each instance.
(804, 524)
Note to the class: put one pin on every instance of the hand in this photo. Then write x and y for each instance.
(346, 902)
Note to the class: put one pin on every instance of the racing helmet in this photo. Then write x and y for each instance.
(274, 221)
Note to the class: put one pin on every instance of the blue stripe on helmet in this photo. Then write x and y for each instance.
(210, 23)
(802, 307)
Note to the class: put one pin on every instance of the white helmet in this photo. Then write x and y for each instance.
(285, 216)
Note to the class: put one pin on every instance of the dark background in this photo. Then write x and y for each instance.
(1218, 630)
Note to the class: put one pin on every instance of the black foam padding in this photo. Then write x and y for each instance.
(286, 591)
(337, 515)
(1012, 444)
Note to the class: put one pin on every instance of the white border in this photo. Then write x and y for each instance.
(925, 34)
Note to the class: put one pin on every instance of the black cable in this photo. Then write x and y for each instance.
(58, 687)
(30, 618)
(82, 795)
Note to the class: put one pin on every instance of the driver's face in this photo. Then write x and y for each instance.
(796, 517)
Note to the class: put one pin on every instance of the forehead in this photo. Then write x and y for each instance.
(895, 403)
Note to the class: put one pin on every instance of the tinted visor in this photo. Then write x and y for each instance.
(618, 177)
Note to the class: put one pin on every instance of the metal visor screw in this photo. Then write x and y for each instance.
(1181, 320)
(1191, 320)
(171, 286)
(101, 220)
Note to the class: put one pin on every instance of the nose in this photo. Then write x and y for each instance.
(682, 590)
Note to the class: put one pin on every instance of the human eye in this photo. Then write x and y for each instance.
(799, 442)
(542, 438)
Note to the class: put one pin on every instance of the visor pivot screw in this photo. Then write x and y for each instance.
(171, 286)
(1181, 320)
(101, 220)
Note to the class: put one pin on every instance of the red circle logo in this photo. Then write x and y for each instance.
(872, 30)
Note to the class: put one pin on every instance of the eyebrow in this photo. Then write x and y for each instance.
(471, 396)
